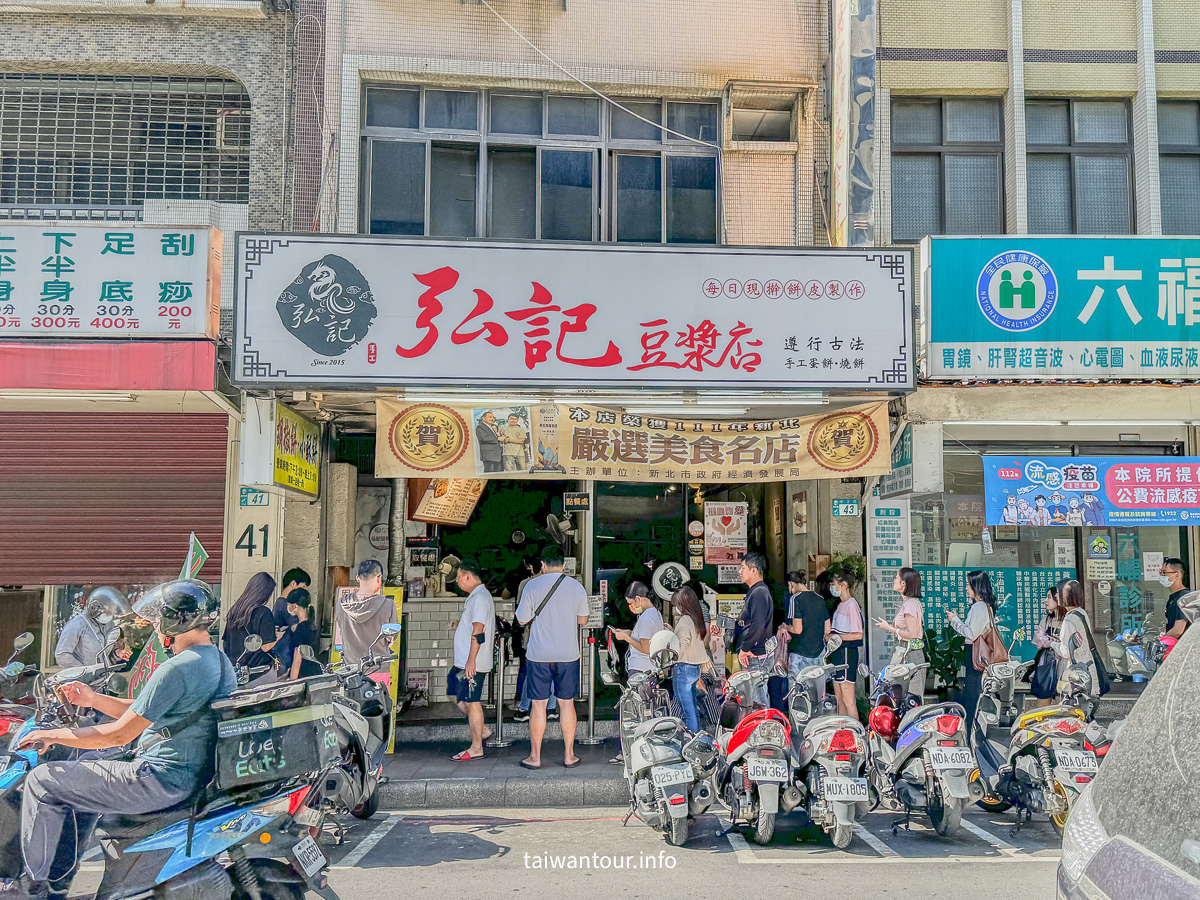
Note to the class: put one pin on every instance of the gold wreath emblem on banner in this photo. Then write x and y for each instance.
(428, 437)
(843, 442)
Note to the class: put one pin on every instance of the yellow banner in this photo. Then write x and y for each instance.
(297, 451)
(421, 440)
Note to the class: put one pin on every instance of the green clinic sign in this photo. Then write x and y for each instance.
(1014, 307)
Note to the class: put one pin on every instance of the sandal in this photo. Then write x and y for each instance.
(618, 760)
(465, 756)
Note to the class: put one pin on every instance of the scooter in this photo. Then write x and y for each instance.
(672, 778)
(1134, 653)
(364, 721)
(919, 752)
(1038, 761)
(755, 767)
(830, 753)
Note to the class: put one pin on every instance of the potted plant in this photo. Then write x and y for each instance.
(944, 653)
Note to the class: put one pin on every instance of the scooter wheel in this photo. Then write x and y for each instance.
(368, 807)
(677, 833)
(842, 835)
(993, 804)
(764, 827)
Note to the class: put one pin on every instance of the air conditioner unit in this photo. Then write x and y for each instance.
(233, 132)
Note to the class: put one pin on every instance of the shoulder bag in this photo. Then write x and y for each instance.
(989, 647)
(546, 599)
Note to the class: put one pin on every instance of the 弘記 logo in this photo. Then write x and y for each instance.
(1017, 290)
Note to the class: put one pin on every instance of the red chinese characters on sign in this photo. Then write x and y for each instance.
(537, 318)
(699, 344)
(548, 330)
(1153, 486)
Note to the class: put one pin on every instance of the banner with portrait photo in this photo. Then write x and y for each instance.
(416, 440)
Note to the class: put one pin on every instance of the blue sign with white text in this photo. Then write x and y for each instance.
(1092, 491)
(1017, 307)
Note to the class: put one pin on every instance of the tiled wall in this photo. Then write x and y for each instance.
(431, 642)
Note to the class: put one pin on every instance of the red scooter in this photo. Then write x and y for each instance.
(755, 765)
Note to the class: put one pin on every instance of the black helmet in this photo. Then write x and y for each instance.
(186, 604)
(106, 600)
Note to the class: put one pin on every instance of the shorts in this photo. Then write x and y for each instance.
(464, 689)
(846, 658)
(557, 679)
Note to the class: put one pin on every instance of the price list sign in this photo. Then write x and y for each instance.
(69, 280)
(1020, 595)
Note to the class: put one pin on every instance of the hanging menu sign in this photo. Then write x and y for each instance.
(889, 547)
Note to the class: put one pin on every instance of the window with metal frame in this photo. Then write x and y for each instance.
(1179, 165)
(947, 167)
(518, 165)
(115, 141)
(1079, 166)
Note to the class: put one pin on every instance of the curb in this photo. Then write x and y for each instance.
(511, 793)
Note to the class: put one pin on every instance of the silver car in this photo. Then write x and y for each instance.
(1134, 834)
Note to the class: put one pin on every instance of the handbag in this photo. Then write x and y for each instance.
(989, 647)
(1043, 682)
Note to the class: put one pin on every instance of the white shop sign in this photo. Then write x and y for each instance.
(116, 280)
(889, 548)
(368, 310)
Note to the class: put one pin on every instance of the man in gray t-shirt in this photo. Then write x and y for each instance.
(171, 720)
(557, 605)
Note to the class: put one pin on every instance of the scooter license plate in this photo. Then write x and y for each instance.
(309, 855)
(665, 775)
(767, 770)
(1077, 760)
(952, 757)
(849, 789)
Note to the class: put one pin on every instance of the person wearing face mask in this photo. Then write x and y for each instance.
(86, 634)
(847, 621)
(1171, 577)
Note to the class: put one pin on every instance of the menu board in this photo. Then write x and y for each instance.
(449, 501)
(1020, 596)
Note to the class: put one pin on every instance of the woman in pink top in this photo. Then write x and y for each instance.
(909, 624)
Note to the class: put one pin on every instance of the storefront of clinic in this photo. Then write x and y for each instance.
(969, 419)
(698, 403)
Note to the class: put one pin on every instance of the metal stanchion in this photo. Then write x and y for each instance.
(591, 738)
(497, 738)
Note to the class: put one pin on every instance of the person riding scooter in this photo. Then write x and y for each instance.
(171, 720)
(88, 632)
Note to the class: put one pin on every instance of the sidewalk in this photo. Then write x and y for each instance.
(423, 775)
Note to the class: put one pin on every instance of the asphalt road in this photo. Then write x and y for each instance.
(452, 854)
(465, 854)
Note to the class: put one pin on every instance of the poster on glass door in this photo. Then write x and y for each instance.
(1091, 491)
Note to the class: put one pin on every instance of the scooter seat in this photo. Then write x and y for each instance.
(124, 826)
(645, 729)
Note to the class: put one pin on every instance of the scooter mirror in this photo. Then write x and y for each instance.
(391, 629)
(23, 640)
(253, 643)
(863, 671)
(306, 651)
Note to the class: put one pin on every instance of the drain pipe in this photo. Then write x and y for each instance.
(396, 519)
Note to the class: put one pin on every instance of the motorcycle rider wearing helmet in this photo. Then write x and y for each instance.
(171, 720)
(88, 632)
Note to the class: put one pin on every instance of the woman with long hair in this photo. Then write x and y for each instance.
(1044, 638)
(1074, 644)
(909, 624)
(689, 628)
(979, 619)
(252, 614)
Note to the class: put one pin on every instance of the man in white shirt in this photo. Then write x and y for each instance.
(473, 641)
(556, 605)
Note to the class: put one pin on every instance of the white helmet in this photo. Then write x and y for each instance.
(664, 648)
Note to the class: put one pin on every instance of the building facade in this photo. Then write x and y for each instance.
(1051, 132)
